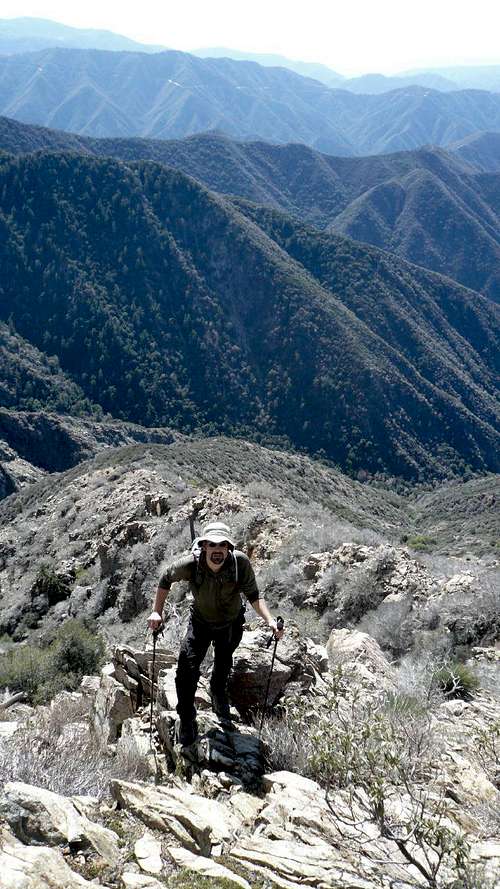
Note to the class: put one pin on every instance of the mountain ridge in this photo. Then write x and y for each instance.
(427, 206)
(169, 305)
(172, 94)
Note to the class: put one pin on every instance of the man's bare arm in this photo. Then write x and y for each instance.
(260, 607)
(155, 618)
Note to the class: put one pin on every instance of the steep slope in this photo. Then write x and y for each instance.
(46, 422)
(481, 150)
(31, 380)
(173, 94)
(446, 224)
(426, 206)
(169, 307)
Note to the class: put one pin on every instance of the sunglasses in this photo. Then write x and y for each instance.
(213, 545)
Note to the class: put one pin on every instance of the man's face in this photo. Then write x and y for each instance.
(215, 554)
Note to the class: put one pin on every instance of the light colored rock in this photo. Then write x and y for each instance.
(47, 816)
(288, 781)
(111, 707)
(469, 779)
(147, 850)
(486, 850)
(316, 564)
(455, 707)
(290, 863)
(252, 666)
(246, 805)
(7, 729)
(131, 880)
(35, 867)
(90, 685)
(346, 646)
(206, 867)
(167, 693)
(459, 583)
(196, 822)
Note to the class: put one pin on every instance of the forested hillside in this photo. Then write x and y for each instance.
(167, 305)
(426, 206)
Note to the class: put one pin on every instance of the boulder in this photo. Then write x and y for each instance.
(206, 867)
(41, 816)
(35, 867)
(352, 646)
(111, 707)
(290, 863)
(197, 823)
(252, 667)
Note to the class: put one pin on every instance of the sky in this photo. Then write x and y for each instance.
(351, 36)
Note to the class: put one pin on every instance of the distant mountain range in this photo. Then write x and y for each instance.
(366, 83)
(427, 206)
(168, 305)
(482, 151)
(172, 95)
(25, 34)
(19, 35)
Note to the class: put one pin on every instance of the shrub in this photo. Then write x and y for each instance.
(50, 586)
(71, 652)
(487, 751)
(76, 649)
(456, 680)
(380, 752)
(287, 740)
(421, 542)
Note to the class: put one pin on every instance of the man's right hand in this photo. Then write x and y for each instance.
(155, 621)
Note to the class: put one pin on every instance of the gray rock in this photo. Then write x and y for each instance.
(41, 816)
(35, 867)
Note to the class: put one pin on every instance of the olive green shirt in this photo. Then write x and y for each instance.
(217, 596)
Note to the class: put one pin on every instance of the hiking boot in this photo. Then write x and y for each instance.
(220, 705)
(188, 732)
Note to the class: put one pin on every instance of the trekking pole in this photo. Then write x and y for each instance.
(156, 633)
(280, 624)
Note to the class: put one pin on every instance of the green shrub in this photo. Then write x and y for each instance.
(73, 651)
(456, 680)
(421, 542)
(24, 669)
(380, 751)
(50, 585)
(76, 649)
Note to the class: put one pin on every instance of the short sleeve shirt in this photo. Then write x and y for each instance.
(217, 597)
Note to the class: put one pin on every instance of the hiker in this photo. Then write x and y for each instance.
(217, 575)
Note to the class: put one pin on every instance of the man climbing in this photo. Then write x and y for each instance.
(217, 574)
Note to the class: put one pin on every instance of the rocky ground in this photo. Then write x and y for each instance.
(220, 810)
(328, 551)
(382, 587)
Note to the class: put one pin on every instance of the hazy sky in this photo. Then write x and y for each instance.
(351, 36)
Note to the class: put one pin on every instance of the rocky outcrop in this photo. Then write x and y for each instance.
(34, 814)
(287, 831)
(35, 867)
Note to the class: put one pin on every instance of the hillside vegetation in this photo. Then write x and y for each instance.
(426, 206)
(169, 306)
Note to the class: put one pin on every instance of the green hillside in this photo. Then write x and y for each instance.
(169, 306)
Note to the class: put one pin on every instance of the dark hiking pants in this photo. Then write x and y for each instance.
(194, 648)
